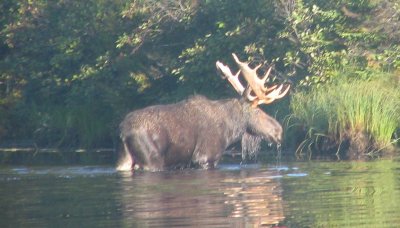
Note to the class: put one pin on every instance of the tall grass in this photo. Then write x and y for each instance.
(345, 109)
(86, 126)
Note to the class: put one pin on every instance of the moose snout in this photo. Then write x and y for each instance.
(276, 138)
(276, 134)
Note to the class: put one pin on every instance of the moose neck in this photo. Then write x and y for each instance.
(234, 119)
(237, 114)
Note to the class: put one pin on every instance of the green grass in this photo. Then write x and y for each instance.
(78, 126)
(344, 109)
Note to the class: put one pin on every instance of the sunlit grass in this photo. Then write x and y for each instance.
(343, 109)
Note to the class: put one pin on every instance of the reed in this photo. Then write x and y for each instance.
(358, 111)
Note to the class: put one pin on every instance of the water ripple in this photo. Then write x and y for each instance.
(312, 194)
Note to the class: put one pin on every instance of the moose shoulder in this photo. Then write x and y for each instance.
(198, 130)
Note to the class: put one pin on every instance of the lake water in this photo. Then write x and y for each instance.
(292, 194)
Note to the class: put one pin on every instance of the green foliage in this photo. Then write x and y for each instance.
(347, 108)
(80, 126)
(73, 69)
(326, 36)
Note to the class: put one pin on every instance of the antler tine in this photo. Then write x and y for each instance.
(277, 93)
(264, 79)
(233, 79)
(274, 94)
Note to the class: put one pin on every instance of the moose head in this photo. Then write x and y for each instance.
(261, 126)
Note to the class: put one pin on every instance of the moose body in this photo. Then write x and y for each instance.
(192, 132)
(197, 131)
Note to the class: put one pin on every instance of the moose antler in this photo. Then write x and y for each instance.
(233, 79)
(263, 94)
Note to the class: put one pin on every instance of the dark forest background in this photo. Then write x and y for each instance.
(70, 70)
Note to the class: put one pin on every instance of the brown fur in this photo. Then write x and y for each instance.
(192, 132)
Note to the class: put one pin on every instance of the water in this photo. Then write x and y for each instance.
(309, 194)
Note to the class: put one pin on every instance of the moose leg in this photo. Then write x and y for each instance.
(206, 157)
(208, 165)
(148, 153)
(125, 162)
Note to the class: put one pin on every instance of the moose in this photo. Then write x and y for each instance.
(195, 132)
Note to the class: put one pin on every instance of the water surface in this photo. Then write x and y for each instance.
(295, 194)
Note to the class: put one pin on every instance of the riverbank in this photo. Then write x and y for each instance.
(54, 156)
(358, 116)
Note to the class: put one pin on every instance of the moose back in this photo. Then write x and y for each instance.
(196, 132)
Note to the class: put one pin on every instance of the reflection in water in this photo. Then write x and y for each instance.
(58, 197)
(312, 194)
(198, 198)
(257, 198)
(345, 194)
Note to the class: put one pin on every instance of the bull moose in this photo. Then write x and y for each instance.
(196, 132)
